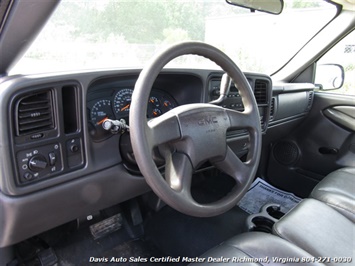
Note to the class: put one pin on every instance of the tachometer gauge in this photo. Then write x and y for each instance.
(100, 111)
(122, 101)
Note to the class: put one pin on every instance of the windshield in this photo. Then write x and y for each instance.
(125, 34)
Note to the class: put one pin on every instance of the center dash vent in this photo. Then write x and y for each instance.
(34, 113)
(260, 91)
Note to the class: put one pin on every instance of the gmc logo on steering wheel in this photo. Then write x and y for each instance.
(208, 120)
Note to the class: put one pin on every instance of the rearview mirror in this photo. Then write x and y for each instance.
(270, 6)
(329, 76)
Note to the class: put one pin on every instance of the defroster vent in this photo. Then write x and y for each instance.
(34, 113)
(260, 91)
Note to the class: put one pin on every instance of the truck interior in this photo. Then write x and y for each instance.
(177, 132)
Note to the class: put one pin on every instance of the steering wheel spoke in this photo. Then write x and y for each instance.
(234, 167)
(163, 129)
(241, 120)
(178, 172)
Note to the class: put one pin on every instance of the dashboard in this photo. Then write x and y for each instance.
(56, 123)
(58, 160)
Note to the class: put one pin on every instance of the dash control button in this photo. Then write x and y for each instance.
(74, 152)
(52, 158)
(28, 176)
(74, 148)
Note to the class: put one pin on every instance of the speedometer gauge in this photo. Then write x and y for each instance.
(122, 100)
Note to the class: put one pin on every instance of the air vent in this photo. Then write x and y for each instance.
(272, 108)
(310, 100)
(34, 113)
(260, 91)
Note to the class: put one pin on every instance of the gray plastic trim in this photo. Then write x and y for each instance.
(291, 87)
(26, 18)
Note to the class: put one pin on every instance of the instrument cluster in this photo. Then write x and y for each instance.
(116, 106)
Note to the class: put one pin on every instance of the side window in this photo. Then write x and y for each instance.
(336, 69)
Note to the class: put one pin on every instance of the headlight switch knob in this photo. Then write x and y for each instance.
(37, 163)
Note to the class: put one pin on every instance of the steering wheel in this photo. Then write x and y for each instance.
(192, 134)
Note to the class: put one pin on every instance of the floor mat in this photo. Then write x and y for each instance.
(261, 192)
(133, 253)
(177, 234)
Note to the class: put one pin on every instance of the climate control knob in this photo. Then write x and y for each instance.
(37, 163)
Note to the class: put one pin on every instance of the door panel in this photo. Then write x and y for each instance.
(324, 142)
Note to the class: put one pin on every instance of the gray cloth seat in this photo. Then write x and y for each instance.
(255, 249)
(320, 230)
(337, 190)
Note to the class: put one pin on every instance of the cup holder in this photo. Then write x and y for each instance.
(262, 224)
(274, 211)
(264, 221)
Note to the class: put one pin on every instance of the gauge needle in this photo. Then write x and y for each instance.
(124, 108)
(101, 121)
